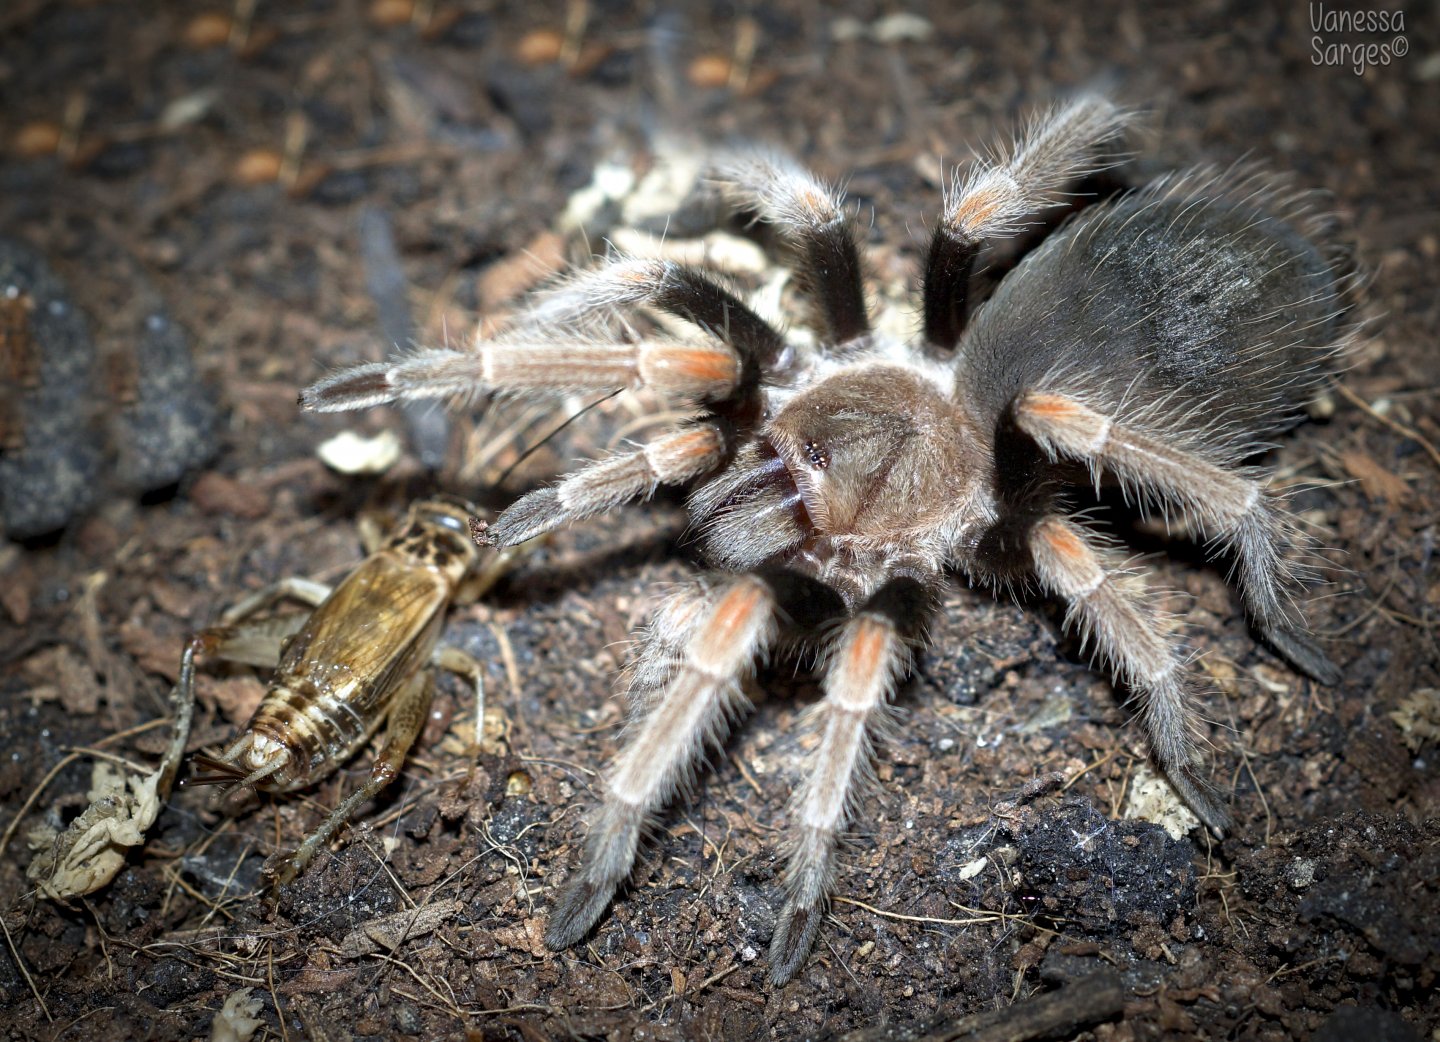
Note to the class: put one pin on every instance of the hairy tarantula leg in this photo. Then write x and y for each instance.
(1232, 507)
(666, 286)
(1110, 608)
(810, 216)
(735, 629)
(866, 661)
(701, 371)
(675, 458)
(1056, 149)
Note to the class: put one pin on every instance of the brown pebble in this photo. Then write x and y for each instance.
(86, 151)
(710, 71)
(440, 23)
(153, 652)
(215, 493)
(98, 537)
(16, 591)
(539, 47)
(308, 179)
(391, 13)
(37, 139)
(257, 40)
(259, 166)
(236, 698)
(589, 59)
(211, 29)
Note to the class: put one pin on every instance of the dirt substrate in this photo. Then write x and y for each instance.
(296, 190)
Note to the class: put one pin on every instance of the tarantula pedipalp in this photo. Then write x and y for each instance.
(1156, 339)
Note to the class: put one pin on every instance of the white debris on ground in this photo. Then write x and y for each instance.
(352, 453)
(123, 806)
(236, 1020)
(1151, 798)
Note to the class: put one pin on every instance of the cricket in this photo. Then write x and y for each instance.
(363, 659)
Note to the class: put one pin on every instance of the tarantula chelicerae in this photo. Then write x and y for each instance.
(1155, 339)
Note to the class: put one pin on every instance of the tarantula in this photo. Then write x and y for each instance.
(1154, 339)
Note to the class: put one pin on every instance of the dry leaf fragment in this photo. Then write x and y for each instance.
(236, 1020)
(1418, 717)
(17, 586)
(88, 854)
(529, 936)
(1378, 483)
(58, 674)
(388, 932)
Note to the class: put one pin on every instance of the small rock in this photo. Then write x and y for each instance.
(351, 453)
(167, 427)
(1301, 873)
(214, 493)
(50, 451)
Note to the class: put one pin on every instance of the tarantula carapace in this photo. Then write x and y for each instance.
(1155, 339)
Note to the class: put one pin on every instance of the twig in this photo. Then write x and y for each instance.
(1064, 1014)
(446, 1004)
(1088, 768)
(1285, 971)
(15, 954)
(987, 918)
(1249, 767)
(714, 978)
(274, 995)
(1397, 427)
(507, 656)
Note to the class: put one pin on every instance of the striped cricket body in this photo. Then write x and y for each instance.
(361, 660)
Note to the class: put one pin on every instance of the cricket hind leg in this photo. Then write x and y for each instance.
(463, 664)
(406, 719)
(479, 582)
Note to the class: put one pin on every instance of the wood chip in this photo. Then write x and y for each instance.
(529, 936)
(388, 932)
(17, 591)
(215, 493)
(61, 675)
(151, 651)
(1378, 483)
(520, 271)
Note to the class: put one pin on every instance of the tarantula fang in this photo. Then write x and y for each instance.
(1155, 339)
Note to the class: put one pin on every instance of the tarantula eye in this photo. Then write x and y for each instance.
(817, 455)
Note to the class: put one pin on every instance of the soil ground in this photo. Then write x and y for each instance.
(234, 174)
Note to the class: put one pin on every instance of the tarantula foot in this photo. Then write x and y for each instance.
(480, 533)
(356, 388)
(1201, 797)
(531, 515)
(1296, 647)
(794, 936)
(577, 912)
